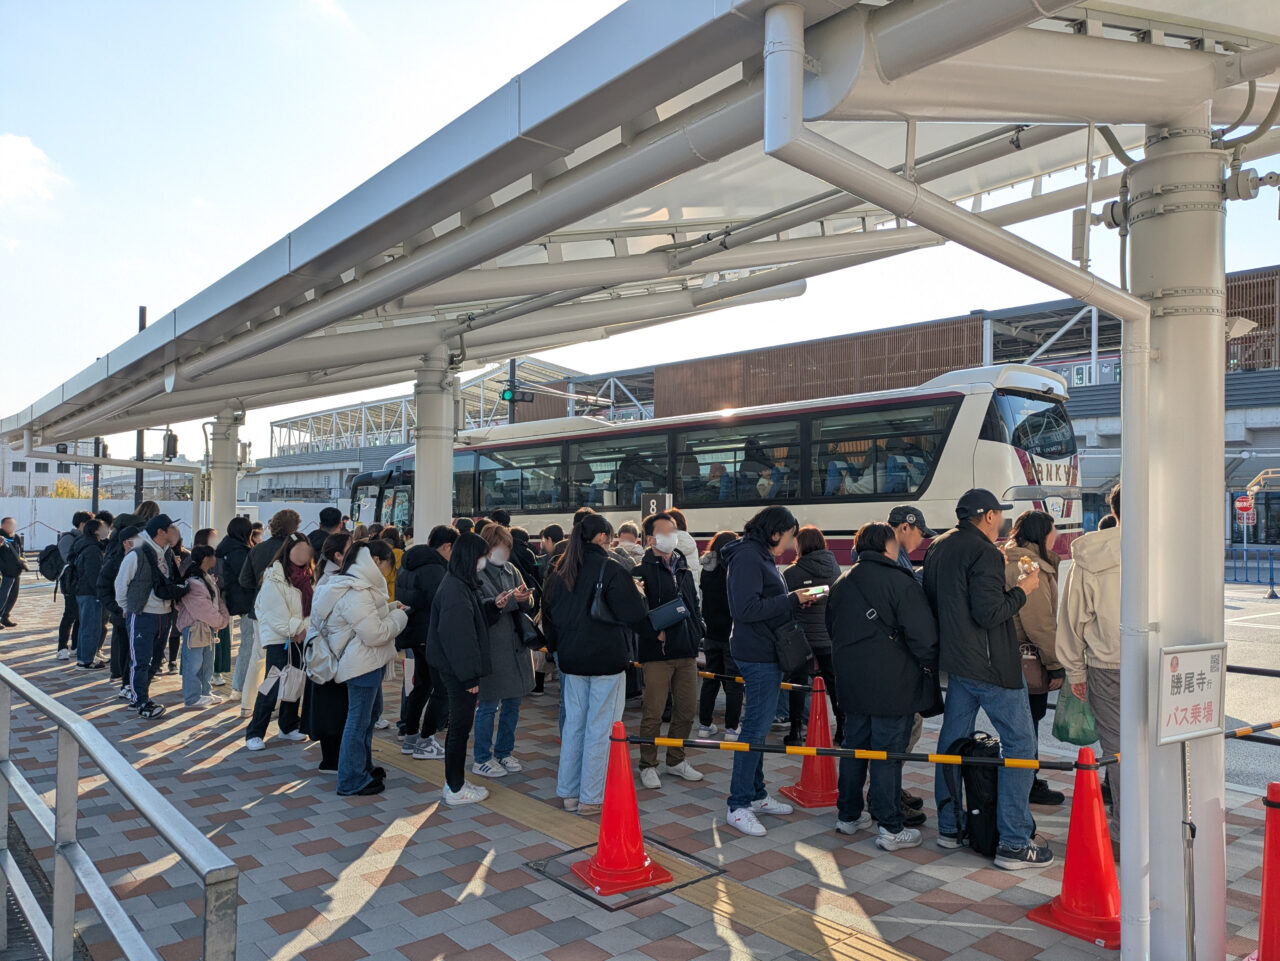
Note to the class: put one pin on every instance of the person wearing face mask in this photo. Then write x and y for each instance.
(423, 569)
(760, 605)
(511, 659)
(458, 649)
(667, 655)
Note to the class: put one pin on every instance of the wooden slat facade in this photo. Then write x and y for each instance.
(856, 363)
(1255, 295)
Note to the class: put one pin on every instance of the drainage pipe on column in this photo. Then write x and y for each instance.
(786, 138)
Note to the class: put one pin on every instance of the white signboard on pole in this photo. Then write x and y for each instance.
(1192, 685)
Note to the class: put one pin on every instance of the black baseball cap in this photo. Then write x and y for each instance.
(906, 514)
(977, 502)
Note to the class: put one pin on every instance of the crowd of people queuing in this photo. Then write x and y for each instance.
(482, 620)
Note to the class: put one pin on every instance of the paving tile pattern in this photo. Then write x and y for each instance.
(402, 876)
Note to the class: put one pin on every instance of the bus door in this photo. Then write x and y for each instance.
(364, 503)
(401, 507)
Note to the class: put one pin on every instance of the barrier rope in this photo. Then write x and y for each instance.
(1023, 764)
(785, 685)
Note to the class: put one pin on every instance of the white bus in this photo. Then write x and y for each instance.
(837, 462)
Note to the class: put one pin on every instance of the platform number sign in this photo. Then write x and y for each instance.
(657, 503)
(1191, 692)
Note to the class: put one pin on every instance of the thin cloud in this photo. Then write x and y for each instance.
(331, 10)
(26, 172)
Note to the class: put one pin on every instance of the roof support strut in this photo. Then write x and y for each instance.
(786, 138)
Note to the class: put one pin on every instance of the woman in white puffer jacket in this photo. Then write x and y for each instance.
(282, 608)
(360, 626)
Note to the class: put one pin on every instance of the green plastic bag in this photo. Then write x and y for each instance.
(1073, 721)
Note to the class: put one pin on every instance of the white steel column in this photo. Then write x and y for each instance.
(433, 444)
(223, 447)
(1177, 224)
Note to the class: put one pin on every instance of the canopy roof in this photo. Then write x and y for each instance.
(577, 200)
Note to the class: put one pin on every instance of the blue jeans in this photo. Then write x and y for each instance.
(508, 717)
(90, 628)
(197, 669)
(591, 707)
(761, 701)
(874, 733)
(248, 631)
(355, 756)
(1010, 714)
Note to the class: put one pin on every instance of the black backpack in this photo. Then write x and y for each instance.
(50, 562)
(974, 789)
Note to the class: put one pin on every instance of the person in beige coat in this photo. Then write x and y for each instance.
(1031, 542)
(1088, 640)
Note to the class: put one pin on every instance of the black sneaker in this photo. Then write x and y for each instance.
(151, 711)
(379, 773)
(8, 623)
(95, 666)
(1041, 793)
(910, 800)
(374, 787)
(1032, 856)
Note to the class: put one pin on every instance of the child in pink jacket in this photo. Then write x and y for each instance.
(201, 614)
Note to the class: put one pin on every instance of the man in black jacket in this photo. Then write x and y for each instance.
(121, 543)
(668, 657)
(11, 567)
(422, 569)
(885, 651)
(964, 578)
(330, 523)
(86, 562)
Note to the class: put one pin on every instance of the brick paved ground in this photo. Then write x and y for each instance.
(401, 876)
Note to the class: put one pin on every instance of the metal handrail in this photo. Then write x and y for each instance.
(72, 863)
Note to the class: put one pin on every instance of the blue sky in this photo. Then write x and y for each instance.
(147, 148)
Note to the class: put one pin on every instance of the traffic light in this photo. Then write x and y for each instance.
(170, 446)
(512, 396)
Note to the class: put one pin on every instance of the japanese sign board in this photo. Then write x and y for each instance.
(1246, 518)
(1244, 504)
(1192, 684)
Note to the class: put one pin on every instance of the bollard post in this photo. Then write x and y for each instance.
(1271, 591)
(1269, 914)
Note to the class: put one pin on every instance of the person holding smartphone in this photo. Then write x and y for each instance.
(509, 602)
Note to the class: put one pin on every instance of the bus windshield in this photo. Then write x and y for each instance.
(1033, 424)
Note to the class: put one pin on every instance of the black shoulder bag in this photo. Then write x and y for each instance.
(599, 606)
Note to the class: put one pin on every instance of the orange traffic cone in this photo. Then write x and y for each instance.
(817, 787)
(1089, 905)
(1269, 922)
(620, 863)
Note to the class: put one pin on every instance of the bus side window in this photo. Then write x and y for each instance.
(877, 453)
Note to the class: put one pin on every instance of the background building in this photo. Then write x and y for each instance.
(315, 457)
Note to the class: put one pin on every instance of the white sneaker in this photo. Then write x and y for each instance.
(429, 750)
(409, 743)
(745, 820)
(218, 680)
(511, 764)
(853, 827)
(64, 655)
(489, 768)
(570, 803)
(381, 724)
(730, 733)
(206, 701)
(255, 744)
(293, 736)
(686, 770)
(235, 695)
(708, 731)
(470, 794)
(767, 805)
(126, 694)
(649, 778)
(906, 838)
